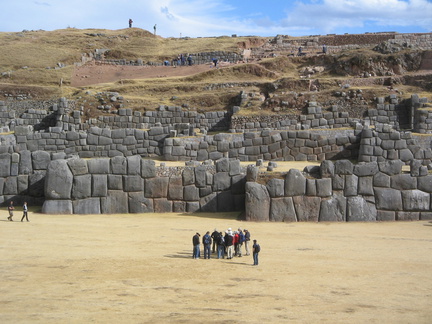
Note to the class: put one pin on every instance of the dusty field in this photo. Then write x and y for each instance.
(139, 269)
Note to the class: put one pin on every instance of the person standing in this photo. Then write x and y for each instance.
(10, 210)
(215, 239)
(236, 243)
(189, 59)
(241, 239)
(247, 241)
(25, 210)
(154, 29)
(207, 241)
(221, 246)
(229, 244)
(196, 246)
(130, 22)
(255, 250)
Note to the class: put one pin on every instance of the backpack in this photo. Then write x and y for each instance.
(207, 239)
(257, 248)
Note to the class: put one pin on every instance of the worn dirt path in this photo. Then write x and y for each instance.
(138, 269)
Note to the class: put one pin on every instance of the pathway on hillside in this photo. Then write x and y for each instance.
(92, 73)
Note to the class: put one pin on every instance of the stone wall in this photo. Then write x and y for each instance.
(337, 43)
(313, 145)
(342, 191)
(134, 185)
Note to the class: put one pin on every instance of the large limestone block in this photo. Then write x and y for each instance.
(365, 186)
(87, 206)
(25, 163)
(234, 167)
(81, 187)
(324, 187)
(386, 216)
(99, 166)
(191, 193)
(391, 167)
(222, 165)
(78, 166)
(162, 205)
(139, 204)
(425, 183)
(133, 183)
(119, 165)
(58, 180)
(148, 169)
(200, 176)
(276, 187)
(311, 187)
(360, 210)
(403, 182)
(5, 165)
(22, 184)
(40, 159)
(175, 188)
(366, 169)
(407, 216)
(282, 210)
(388, 199)
(257, 202)
(381, 180)
(134, 165)
(192, 206)
(251, 173)
(333, 209)
(307, 208)
(156, 187)
(415, 200)
(115, 182)
(327, 169)
(351, 185)
(188, 175)
(295, 183)
(116, 202)
(99, 185)
(57, 207)
(221, 181)
(343, 167)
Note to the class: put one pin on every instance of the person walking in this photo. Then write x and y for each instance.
(25, 210)
(11, 210)
(247, 241)
(229, 244)
(207, 241)
(255, 251)
(196, 246)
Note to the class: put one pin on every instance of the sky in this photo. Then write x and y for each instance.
(207, 18)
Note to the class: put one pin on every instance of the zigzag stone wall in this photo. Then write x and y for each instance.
(342, 191)
(134, 185)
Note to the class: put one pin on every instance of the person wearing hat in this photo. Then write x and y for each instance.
(255, 251)
(229, 244)
(247, 241)
(196, 246)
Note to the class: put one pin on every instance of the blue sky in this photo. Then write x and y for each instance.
(201, 18)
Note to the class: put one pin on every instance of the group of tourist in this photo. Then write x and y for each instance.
(229, 244)
(11, 209)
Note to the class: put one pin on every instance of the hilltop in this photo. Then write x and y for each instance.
(267, 78)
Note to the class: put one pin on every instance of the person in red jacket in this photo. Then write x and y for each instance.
(236, 243)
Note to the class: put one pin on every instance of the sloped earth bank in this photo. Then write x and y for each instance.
(92, 73)
(139, 269)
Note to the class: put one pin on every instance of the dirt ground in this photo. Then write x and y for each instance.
(92, 73)
(139, 269)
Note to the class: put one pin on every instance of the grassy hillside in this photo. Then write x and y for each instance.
(36, 61)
